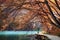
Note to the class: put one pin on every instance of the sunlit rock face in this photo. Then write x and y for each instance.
(34, 24)
(37, 23)
(19, 17)
(26, 20)
(21, 13)
(15, 16)
(23, 20)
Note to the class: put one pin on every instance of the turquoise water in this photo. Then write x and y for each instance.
(16, 35)
(17, 32)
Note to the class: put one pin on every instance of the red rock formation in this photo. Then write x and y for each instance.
(12, 12)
